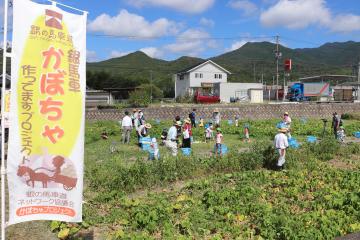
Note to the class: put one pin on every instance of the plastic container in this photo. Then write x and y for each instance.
(293, 143)
(311, 139)
(145, 143)
(186, 151)
(230, 122)
(357, 134)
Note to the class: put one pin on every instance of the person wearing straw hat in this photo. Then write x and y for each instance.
(171, 141)
(187, 133)
(281, 143)
(143, 131)
(216, 117)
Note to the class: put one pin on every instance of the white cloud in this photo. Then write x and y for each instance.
(192, 42)
(115, 54)
(186, 6)
(152, 52)
(207, 22)
(91, 56)
(244, 5)
(126, 24)
(296, 14)
(345, 23)
(237, 45)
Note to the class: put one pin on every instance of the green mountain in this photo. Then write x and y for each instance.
(247, 64)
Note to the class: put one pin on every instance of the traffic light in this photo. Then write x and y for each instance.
(288, 65)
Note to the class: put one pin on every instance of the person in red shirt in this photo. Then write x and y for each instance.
(187, 133)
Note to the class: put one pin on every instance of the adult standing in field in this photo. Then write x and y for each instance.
(137, 124)
(287, 122)
(336, 122)
(192, 117)
(281, 144)
(187, 133)
(216, 118)
(141, 115)
(179, 128)
(126, 125)
(134, 116)
(171, 141)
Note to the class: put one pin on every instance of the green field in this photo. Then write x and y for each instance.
(234, 197)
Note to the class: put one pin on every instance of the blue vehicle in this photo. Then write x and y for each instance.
(299, 92)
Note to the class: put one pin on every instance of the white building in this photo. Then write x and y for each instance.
(201, 76)
(238, 92)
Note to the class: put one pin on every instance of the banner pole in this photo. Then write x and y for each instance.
(3, 169)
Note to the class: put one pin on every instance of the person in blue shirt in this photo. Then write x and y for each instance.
(192, 117)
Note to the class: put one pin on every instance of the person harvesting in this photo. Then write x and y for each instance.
(281, 144)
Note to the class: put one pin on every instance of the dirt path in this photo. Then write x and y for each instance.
(35, 230)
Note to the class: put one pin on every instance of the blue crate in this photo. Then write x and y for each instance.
(145, 143)
(186, 151)
(357, 134)
(311, 139)
(224, 149)
(293, 143)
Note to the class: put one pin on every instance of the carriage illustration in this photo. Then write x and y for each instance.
(34, 176)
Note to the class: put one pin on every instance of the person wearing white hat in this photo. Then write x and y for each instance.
(171, 140)
(216, 118)
(281, 143)
(187, 134)
(287, 122)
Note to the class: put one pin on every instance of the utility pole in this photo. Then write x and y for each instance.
(151, 85)
(277, 56)
(254, 70)
(358, 78)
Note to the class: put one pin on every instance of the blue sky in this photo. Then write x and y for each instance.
(168, 29)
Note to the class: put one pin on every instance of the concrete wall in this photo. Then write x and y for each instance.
(228, 90)
(256, 111)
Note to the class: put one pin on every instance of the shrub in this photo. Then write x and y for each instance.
(139, 98)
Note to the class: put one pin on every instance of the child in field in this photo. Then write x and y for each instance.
(246, 134)
(201, 122)
(218, 142)
(208, 132)
(163, 136)
(236, 120)
(341, 134)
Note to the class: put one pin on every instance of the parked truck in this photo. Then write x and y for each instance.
(305, 91)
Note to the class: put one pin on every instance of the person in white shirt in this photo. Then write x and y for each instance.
(216, 118)
(126, 125)
(171, 140)
(281, 143)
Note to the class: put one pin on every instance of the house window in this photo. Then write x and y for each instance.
(220, 76)
(216, 76)
(196, 75)
(201, 75)
(182, 77)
